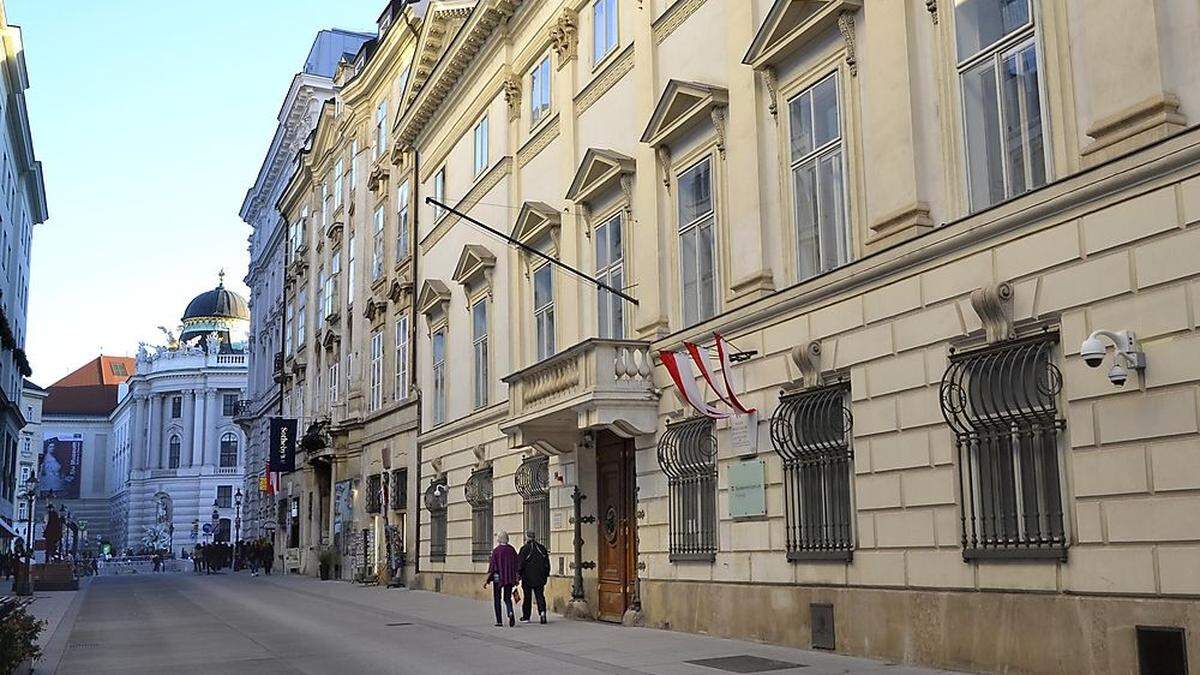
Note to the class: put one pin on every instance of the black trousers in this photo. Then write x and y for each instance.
(497, 591)
(527, 601)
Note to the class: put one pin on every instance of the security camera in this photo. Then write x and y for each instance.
(1117, 375)
(1092, 350)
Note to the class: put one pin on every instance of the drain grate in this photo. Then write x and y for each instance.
(745, 663)
(83, 645)
(401, 623)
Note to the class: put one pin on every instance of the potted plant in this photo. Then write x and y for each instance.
(18, 638)
(329, 559)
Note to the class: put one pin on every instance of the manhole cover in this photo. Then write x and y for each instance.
(745, 663)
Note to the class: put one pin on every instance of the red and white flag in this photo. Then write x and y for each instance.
(680, 369)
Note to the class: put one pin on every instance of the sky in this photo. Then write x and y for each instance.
(151, 119)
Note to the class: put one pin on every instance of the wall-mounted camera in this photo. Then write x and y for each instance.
(1125, 349)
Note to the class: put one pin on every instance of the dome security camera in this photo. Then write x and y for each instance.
(1117, 375)
(1125, 348)
(1092, 350)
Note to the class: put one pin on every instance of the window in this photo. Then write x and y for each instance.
(117, 369)
(176, 407)
(439, 376)
(225, 496)
(380, 130)
(822, 238)
(324, 205)
(810, 432)
(1000, 404)
(697, 259)
(402, 222)
(604, 29)
(687, 455)
(539, 91)
(435, 504)
(333, 382)
(339, 173)
(479, 341)
(479, 495)
(374, 493)
(301, 312)
(543, 311)
(287, 329)
(401, 384)
(439, 192)
(229, 405)
(353, 164)
(533, 484)
(399, 496)
(610, 260)
(376, 389)
(481, 146)
(229, 450)
(173, 453)
(350, 271)
(293, 523)
(1002, 108)
(377, 245)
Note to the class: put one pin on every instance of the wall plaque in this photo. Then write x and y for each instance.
(743, 434)
(747, 489)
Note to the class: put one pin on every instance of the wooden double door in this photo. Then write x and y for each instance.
(616, 524)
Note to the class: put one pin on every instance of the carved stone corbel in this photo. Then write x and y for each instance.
(718, 118)
(807, 359)
(994, 307)
(480, 453)
(436, 465)
(585, 214)
(772, 85)
(564, 37)
(626, 181)
(932, 7)
(663, 153)
(512, 96)
(845, 24)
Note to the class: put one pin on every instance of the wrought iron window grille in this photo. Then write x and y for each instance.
(1000, 403)
(533, 484)
(435, 503)
(811, 432)
(687, 454)
(478, 492)
(374, 493)
(399, 494)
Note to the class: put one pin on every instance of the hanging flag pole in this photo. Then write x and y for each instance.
(529, 249)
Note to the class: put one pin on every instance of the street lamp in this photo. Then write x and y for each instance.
(216, 520)
(26, 586)
(237, 526)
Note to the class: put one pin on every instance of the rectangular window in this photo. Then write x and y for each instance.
(610, 269)
(333, 382)
(377, 245)
(398, 499)
(479, 340)
(350, 269)
(376, 389)
(687, 455)
(339, 173)
(533, 484)
(353, 164)
(401, 385)
(1000, 402)
(822, 238)
(325, 288)
(697, 246)
(287, 329)
(543, 311)
(402, 222)
(176, 407)
(604, 29)
(481, 146)
(1002, 109)
(539, 91)
(810, 432)
(229, 405)
(374, 493)
(435, 503)
(439, 376)
(301, 311)
(380, 130)
(439, 192)
(225, 496)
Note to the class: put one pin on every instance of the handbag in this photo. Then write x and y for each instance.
(516, 594)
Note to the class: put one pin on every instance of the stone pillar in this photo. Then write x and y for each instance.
(212, 438)
(198, 418)
(165, 400)
(137, 431)
(154, 433)
(187, 441)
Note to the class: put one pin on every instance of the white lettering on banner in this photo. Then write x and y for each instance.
(743, 433)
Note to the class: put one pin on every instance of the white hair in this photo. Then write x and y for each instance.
(502, 536)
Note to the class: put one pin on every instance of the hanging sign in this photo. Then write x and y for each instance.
(283, 444)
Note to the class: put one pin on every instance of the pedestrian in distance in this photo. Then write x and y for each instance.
(533, 566)
(269, 557)
(502, 574)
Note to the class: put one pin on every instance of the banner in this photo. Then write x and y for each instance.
(283, 444)
(62, 457)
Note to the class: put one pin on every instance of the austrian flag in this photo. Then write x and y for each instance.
(679, 366)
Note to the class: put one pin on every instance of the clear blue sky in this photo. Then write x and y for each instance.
(151, 118)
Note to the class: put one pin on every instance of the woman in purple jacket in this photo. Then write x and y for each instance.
(502, 574)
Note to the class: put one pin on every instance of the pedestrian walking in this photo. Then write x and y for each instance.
(533, 566)
(502, 574)
(269, 557)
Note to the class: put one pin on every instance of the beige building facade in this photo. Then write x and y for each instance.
(906, 219)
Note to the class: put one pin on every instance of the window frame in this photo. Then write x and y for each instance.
(437, 410)
(439, 193)
(402, 225)
(608, 273)
(174, 451)
(613, 9)
(225, 439)
(176, 407)
(378, 252)
(480, 140)
(707, 157)
(545, 345)
(380, 129)
(480, 353)
(540, 111)
(375, 390)
(401, 383)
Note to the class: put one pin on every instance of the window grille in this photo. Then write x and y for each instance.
(399, 495)
(1000, 403)
(374, 493)
(479, 495)
(687, 455)
(811, 433)
(533, 484)
(435, 503)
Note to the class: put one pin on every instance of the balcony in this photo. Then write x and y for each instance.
(243, 410)
(596, 384)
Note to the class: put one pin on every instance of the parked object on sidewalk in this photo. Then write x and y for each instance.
(502, 574)
(533, 566)
(329, 558)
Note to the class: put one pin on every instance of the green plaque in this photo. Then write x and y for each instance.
(747, 489)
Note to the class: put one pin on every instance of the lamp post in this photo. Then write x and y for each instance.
(216, 520)
(25, 587)
(237, 526)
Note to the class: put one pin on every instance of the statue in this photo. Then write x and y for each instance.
(53, 531)
(212, 343)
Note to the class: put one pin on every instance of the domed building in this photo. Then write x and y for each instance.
(176, 454)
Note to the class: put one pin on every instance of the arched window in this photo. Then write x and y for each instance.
(229, 449)
(173, 453)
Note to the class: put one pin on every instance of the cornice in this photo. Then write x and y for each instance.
(599, 86)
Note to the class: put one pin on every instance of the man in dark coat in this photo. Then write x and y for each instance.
(533, 566)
